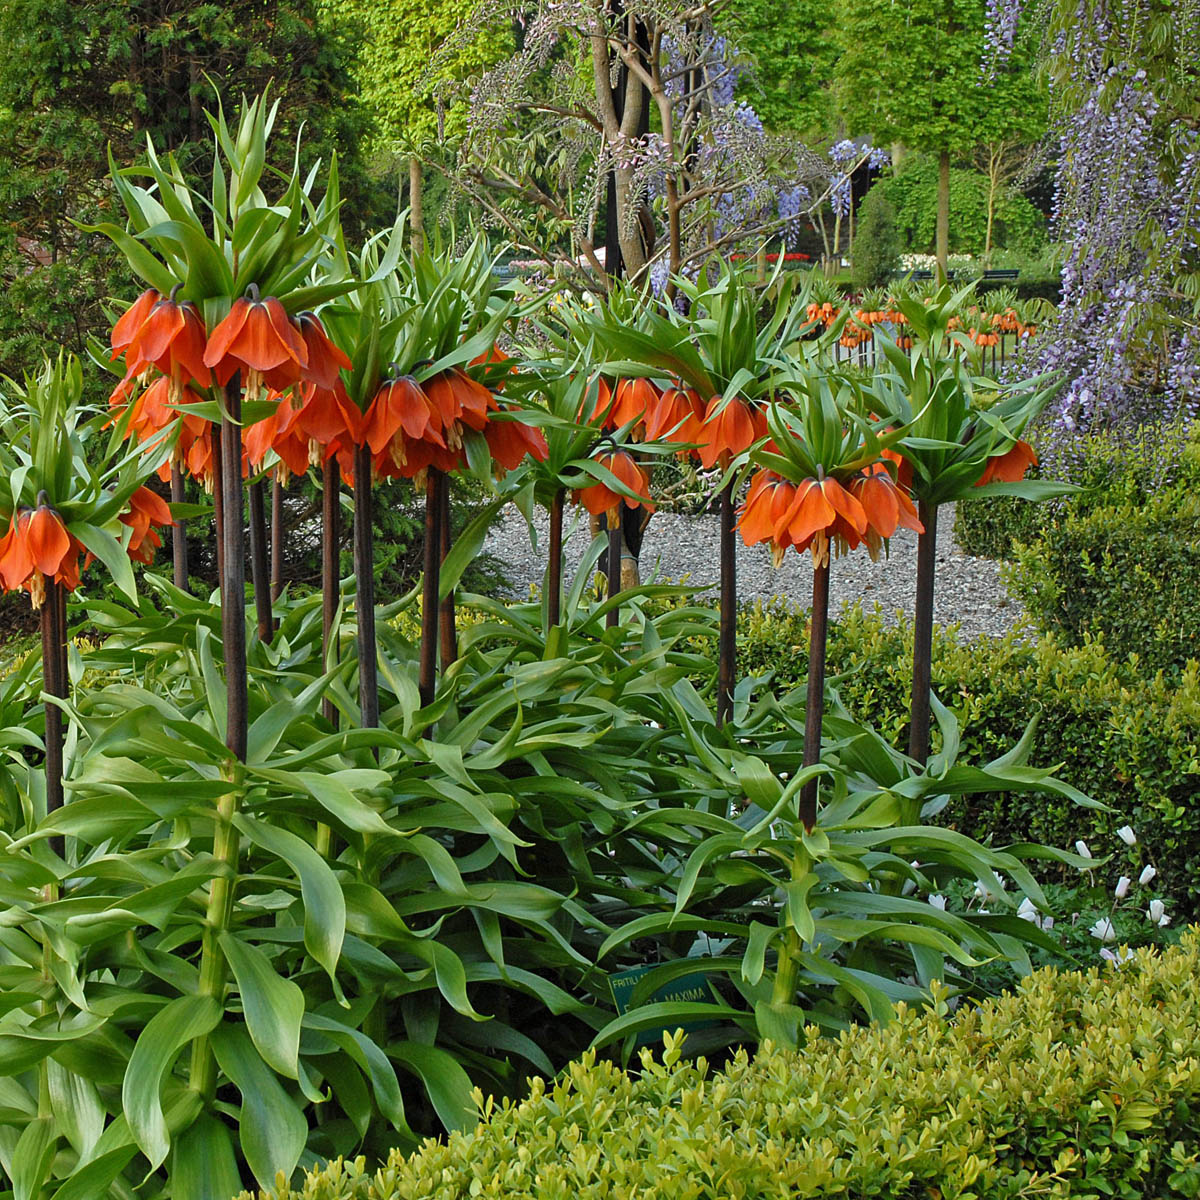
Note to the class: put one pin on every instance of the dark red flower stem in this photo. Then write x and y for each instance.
(427, 676)
(615, 543)
(54, 683)
(447, 627)
(331, 536)
(727, 642)
(918, 734)
(179, 548)
(218, 508)
(259, 567)
(276, 539)
(815, 709)
(364, 580)
(232, 539)
(554, 579)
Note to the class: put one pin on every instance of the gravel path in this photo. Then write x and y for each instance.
(969, 591)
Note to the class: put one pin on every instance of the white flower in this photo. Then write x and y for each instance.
(938, 901)
(1118, 957)
(1047, 923)
(1081, 848)
(1148, 873)
(1028, 912)
(1157, 913)
(1103, 929)
(1126, 834)
(1122, 888)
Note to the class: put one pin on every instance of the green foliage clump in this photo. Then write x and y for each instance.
(78, 79)
(794, 59)
(877, 243)
(1131, 742)
(1116, 559)
(1079, 1084)
(1128, 574)
(912, 191)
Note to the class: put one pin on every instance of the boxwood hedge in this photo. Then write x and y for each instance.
(1129, 740)
(1076, 1085)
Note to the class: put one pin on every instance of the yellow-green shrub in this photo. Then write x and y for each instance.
(1077, 1085)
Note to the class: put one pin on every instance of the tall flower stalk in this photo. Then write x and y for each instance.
(963, 440)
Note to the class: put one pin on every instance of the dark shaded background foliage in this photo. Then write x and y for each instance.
(79, 77)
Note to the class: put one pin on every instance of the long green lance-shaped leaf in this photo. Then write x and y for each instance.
(274, 1006)
(167, 1032)
(320, 892)
(272, 1127)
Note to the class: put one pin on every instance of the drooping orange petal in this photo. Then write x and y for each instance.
(130, 321)
(16, 562)
(844, 505)
(1009, 467)
(223, 336)
(809, 512)
(158, 331)
(48, 540)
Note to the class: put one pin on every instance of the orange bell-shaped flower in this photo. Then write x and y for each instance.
(511, 442)
(730, 427)
(257, 337)
(599, 498)
(325, 360)
(1009, 467)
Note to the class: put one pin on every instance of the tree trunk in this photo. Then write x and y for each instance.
(943, 215)
(416, 211)
(993, 187)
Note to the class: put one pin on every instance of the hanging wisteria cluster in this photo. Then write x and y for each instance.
(1127, 201)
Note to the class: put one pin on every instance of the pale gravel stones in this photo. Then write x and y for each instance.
(969, 593)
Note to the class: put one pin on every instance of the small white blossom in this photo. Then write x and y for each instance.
(1148, 873)
(1122, 888)
(1081, 848)
(1047, 923)
(1028, 912)
(938, 901)
(1119, 957)
(1126, 834)
(1157, 913)
(1103, 929)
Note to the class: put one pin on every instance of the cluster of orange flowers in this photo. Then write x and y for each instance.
(715, 431)
(865, 510)
(988, 328)
(409, 426)
(38, 546)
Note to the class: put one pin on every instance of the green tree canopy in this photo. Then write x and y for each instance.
(396, 42)
(80, 76)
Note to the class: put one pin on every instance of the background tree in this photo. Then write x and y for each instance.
(793, 52)
(79, 77)
(912, 74)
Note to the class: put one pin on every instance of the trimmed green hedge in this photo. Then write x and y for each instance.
(1129, 575)
(1077, 1085)
(1130, 741)
(1115, 470)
